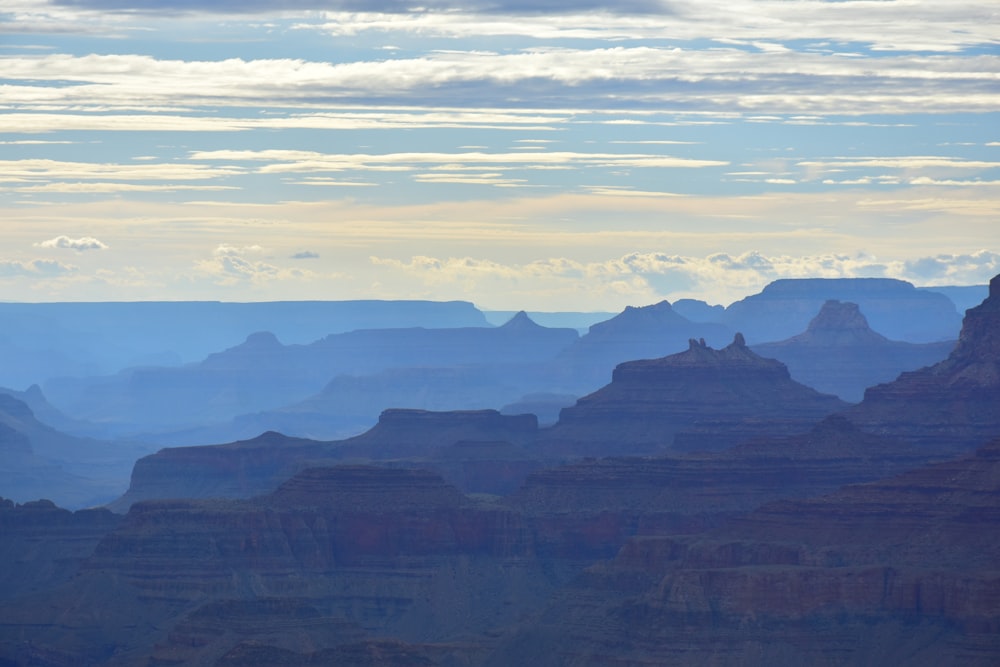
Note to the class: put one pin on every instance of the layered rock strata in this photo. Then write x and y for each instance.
(698, 399)
(952, 405)
(427, 439)
(902, 571)
(351, 552)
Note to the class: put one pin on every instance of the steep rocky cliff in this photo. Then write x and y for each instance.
(902, 571)
(42, 545)
(840, 354)
(830, 455)
(952, 405)
(352, 552)
(698, 399)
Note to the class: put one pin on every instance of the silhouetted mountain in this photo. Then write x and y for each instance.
(46, 340)
(698, 399)
(895, 309)
(554, 320)
(840, 354)
(258, 465)
(660, 561)
(952, 405)
(963, 296)
(38, 461)
(261, 374)
(635, 333)
(699, 311)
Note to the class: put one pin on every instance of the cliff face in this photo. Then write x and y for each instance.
(698, 399)
(257, 466)
(901, 571)
(708, 485)
(43, 544)
(952, 405)
(355, 552)
(840, 354)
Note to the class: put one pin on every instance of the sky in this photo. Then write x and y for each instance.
(562, 156)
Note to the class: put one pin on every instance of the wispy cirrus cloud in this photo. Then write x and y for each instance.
(640, 76)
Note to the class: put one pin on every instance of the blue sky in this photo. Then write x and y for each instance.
(547, 156)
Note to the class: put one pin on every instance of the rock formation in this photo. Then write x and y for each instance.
(336, 555)
(840, 354)
(830, 455)
(952, 405)
(902, 571)
(895, 309)
(635, 333)
(38, 461)
(261, 375)
(698, 399)
(49, 340)
(43, 545)
(257, 466)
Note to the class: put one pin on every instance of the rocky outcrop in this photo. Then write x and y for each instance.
(235, 470)
(952, 405)
(902, 571)
(895, 309)
(635, 333)
(840, 354)
(699, 399)
(257, 466)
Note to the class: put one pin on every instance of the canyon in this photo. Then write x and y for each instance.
(702, 507)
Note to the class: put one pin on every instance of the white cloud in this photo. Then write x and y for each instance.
(291, 161)
(644, 277)
(723, 79)
(35, 268)
(234, 265)
(44, 170)
(67, 243)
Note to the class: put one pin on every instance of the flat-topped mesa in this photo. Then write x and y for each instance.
(701, 398)
(367, 488)
(406, 432)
